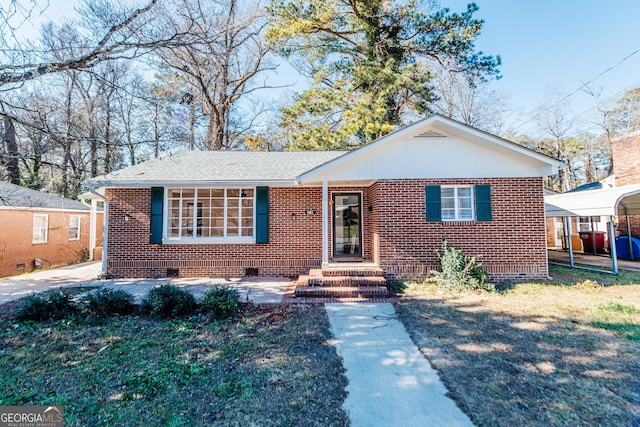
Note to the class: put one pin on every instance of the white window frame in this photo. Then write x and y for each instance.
(40, 233)
(191, 239)
(77, 219)
(457, 207)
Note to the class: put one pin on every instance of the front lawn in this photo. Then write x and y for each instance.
(271, 367)
(565, 352)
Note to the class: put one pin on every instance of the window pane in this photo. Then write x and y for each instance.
(232, 203)
(248, 192)
(74, 227)
(465, 203)
(447, 192)
(247, 212)
(247, 203)
(217, 193)
(232, 222)
(448, 204)
(247, 232)
(233, 231)
(466, 214)
(232, 213)
(190, 193)
(233, 192)
(217, 232)
(448, 214)
(464, 192)
(247, 222)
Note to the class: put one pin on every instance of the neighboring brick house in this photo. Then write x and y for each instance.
(39, 230)
(391, 203)
(625, 153)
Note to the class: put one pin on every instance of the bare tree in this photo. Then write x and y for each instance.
(220, 67)
(470, 100)
(553, 122)
(108, 30)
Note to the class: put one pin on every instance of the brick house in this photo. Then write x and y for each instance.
(39, 230)
(390, 204)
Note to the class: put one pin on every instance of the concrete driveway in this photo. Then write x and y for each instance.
(259, 290)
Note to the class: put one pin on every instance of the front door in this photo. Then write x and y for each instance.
(347, 225)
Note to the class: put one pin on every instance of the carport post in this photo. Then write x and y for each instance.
(612, 244)
(567, 223)
(629, 241)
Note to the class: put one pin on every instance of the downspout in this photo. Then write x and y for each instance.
(105, 225)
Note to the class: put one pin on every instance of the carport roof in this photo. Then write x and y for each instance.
(603, 202)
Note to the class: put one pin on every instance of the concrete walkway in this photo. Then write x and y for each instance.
(390, 381)
(259, 290)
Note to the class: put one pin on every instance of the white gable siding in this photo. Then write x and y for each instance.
(436, 157)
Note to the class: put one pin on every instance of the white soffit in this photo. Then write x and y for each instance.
(603, 202)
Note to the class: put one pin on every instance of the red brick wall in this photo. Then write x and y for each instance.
(512, 245)
(295, 245)
(625, 152)
(395, 234)
(16, 235)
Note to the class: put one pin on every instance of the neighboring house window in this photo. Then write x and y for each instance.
(458, 203)
(74, 227)
(585, 223)
(40, 228)
(210, 213)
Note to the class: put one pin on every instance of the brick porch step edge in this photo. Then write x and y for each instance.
(342, 291)
(343, 281)
(350, 271)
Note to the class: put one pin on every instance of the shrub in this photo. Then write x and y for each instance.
(107, 301)
(169, 301)
(51, 304)
(220, 301)
(459, 272)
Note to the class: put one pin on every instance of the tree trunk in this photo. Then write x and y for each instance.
(11, 148)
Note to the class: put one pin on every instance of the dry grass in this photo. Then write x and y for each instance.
(271, 366)
(561, 353)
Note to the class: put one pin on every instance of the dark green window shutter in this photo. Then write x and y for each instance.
(157, 202)
(262, 214)
(433, 203)
(483, 202)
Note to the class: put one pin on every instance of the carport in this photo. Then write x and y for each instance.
(606, 202)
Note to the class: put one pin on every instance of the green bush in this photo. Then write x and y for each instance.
(107, 301)
(459, 272)
(51, 304)
(169, 301)
(220, 301)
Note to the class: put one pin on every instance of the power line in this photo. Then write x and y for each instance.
(577, 90)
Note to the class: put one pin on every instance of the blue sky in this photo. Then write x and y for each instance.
(560, 44)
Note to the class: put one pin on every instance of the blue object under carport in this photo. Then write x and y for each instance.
(625, 250)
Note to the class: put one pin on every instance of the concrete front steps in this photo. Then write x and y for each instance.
(359, 281)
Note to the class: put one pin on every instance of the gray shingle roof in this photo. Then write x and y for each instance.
(14, 196)
(220, 166)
